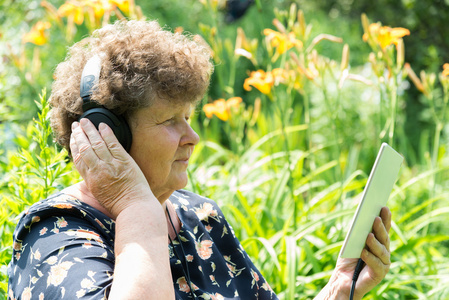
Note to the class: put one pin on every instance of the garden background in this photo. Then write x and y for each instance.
(303, 95)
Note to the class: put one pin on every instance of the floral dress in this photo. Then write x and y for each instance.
(64, 249)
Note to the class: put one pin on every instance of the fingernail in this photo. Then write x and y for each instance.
(102, 127)
(75, 125)
(84, 122)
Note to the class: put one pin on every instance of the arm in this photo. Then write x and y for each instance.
(376, 257)
(142, 267)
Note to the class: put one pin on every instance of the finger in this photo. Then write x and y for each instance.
(97, 143)
(77, 158)
(385, 215)
(374, 262)
(85, 151)
(378, 249)
(114, 146)
(378, 268)
(381, 232)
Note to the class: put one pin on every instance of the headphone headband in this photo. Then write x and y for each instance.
(89, 79)
(95, 112)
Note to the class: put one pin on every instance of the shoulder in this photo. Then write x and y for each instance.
(58, 213)
(60, 203)
(57, 202)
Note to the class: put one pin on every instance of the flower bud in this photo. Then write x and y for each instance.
(345, 57)
(400, 54)
(302, 22)
(412, 75)
(365, 24)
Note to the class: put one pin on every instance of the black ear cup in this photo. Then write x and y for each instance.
(118, 124)
(96, 113)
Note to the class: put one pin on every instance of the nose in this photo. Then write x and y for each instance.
(190, 137)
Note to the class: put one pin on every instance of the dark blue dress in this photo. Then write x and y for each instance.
(64, 249)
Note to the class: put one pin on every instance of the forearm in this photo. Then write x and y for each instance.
(142, 266)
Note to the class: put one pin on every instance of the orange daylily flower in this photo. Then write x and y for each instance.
(388, 36)
(76, 9)
(261, 80)
(37, 34)
(73, 10)
(100, 7)
(281, 41)
(445, 70)
(384, 35)
(221, 108)
(264, 81)
(123, 5)
(218, 108)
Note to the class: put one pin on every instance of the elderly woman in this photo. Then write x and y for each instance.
(128, 230)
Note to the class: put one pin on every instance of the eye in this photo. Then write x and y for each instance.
(168, 121)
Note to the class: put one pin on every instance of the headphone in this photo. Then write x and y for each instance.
(97, 113)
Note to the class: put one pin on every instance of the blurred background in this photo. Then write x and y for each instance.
(303, 95)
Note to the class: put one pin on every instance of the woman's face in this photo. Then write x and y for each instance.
(162, 144)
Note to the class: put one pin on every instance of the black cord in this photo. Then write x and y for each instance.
(357, 271)
(186, 269)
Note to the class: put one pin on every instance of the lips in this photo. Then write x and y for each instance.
(184, 154)
(183, 159)
(186, 157)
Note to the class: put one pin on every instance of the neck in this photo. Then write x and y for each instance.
(161, 193)
(171, 215)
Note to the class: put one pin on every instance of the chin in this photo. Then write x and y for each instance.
(180, 182)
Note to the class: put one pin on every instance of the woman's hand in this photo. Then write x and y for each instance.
(111, 175)
(376, 256)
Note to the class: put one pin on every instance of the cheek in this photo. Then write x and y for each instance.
(165, 144)
(155, 150)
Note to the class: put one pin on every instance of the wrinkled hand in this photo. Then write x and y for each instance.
(111, 175)
(376, 256)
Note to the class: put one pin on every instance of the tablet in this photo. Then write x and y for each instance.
(375, 195)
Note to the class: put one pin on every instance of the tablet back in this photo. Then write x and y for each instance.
(375, 195)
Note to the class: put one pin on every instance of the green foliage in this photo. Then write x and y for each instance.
(33, 173)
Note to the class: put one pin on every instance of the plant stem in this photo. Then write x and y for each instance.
(308, 122)
(436, 147)
(394, 100)
(333, 117)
